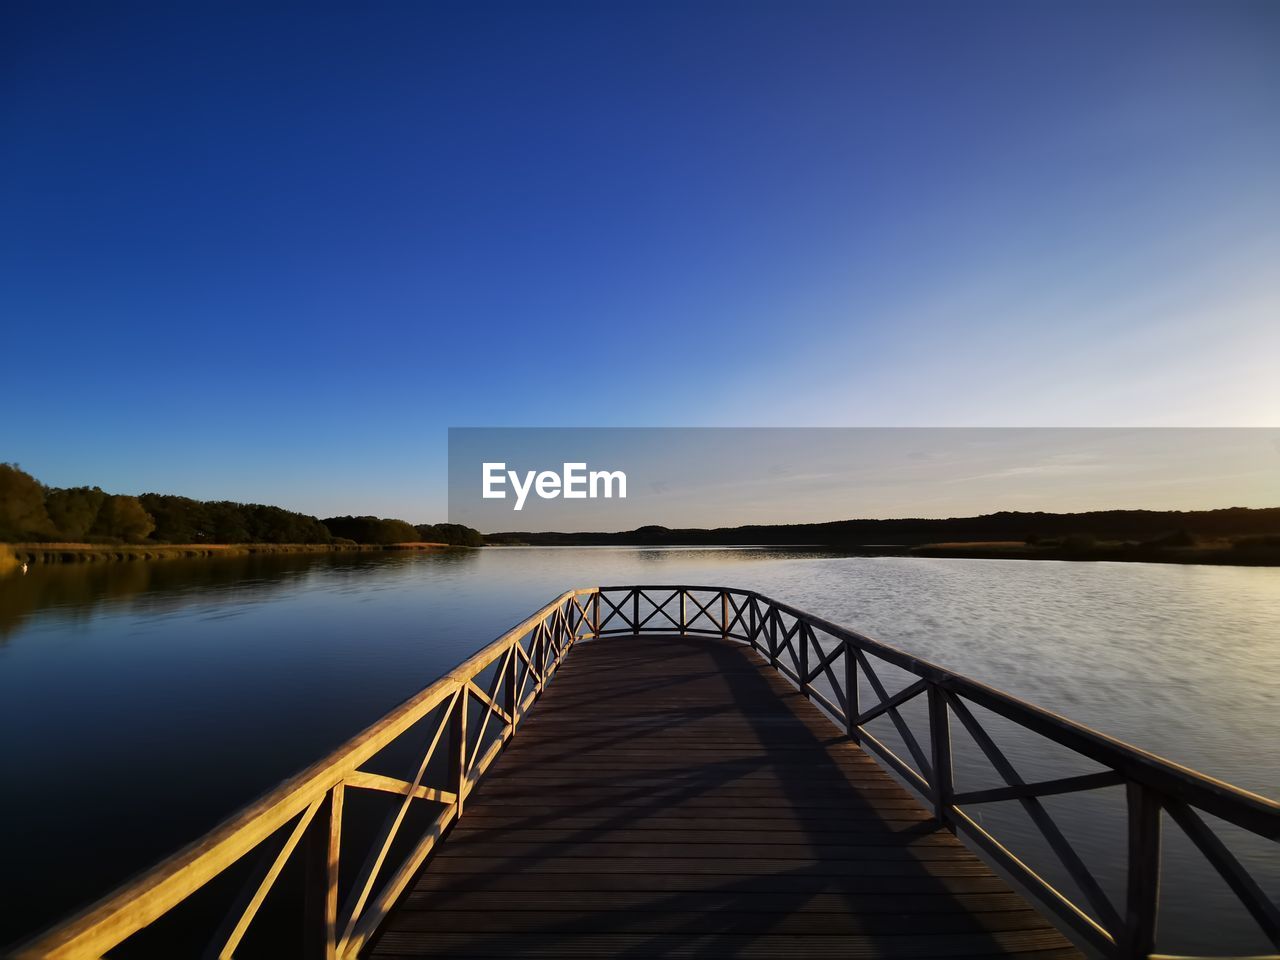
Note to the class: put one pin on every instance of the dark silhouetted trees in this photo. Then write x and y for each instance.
(23, 515)
(74, 510)
(122, 518)
(1038, 528)
(276, 525)
(30, 511)
(183, 520)
(384, 531)
(454, 534)
(372, 529)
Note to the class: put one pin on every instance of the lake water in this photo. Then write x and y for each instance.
(141, 703)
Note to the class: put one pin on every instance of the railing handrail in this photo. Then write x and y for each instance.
(1244, 808)
(138, 902)
(1254, 812)
(316, 793)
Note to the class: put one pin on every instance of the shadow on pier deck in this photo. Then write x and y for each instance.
(677, 797)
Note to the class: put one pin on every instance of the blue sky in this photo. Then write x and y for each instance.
(271, 252)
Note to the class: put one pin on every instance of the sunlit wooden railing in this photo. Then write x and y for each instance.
(806, 648)
(459, 724)
(463, 720)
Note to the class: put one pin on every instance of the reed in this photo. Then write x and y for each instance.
(34, 553)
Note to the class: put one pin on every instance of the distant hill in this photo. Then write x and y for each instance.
(1006, 526)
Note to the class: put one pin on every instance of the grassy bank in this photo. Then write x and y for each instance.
(96, 552)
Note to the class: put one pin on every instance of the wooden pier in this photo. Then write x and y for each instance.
(709, 811)
(680, 771)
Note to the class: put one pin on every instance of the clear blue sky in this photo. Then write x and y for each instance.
(270, 252)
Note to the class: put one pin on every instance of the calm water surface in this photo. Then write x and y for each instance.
(141, 703)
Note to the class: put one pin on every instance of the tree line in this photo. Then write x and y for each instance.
(379, 530)
(1171, 527)
(31, 512)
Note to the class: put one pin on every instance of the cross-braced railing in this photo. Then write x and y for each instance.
(455, 728)
(808, 649)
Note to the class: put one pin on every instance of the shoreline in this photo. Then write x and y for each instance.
(50, 553)
(1207, 554)
(1225, 554)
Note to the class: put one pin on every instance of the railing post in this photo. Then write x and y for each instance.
(802, 633)
(943, 786)
(458, 748)
(635, 611)
(333, 865)
(595, 614)
(772, 635)
(724, 614)
(316, 884)
(851, 708)
(683, 622)
(753, 631)
(1142, 901)
(511, 702)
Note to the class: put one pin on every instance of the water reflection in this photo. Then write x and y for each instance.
(78, 591)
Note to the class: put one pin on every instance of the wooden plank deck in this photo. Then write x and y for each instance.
(677, 797)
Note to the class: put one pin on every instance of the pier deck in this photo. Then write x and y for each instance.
(677, 797)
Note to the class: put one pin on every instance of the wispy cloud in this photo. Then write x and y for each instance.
(1060, 465)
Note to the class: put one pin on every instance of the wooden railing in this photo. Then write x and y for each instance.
(459, 724)
(806, 649)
